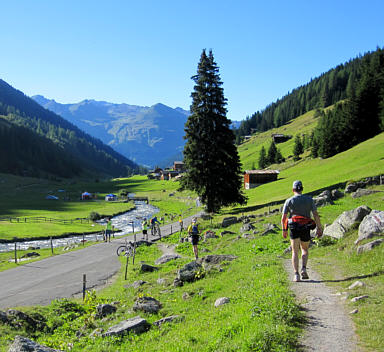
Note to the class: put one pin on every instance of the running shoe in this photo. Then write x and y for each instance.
(304, 274)
(296, 277)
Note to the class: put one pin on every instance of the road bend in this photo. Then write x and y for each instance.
(61, 276)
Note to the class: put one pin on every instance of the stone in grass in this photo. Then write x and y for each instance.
(102, 310)
(23, 344)
(369, 246)
(138, 283)
(170, 319)
(355, 311)
(146, 268)
(188, 272)
(147, 305)
(3, 317)
(166, 258)
(359, 298)
(137, 325)
(356, 284)
(221, 301)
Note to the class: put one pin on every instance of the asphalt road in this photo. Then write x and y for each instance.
(61, 276)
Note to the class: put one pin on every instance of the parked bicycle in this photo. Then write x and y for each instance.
(125, 250)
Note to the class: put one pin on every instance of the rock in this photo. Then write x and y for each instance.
(18, 319)
(246, 227)
(138, 283)
(214, 259)
(267, 232)
(221, 301)
(177, 282)
(356, 284)
(352, 187)
(229, 221)
(23, 344)
(3, 318)
(272, 227)
(359, 298)
(206, 216)
(166, 258)
(137, 325)
(147, 305)
(355, 311)
(360, 192)
(102, 310)
(287, 250)
(30, 255)
(369, 246)
(188, 272)
(170, 319)
(346, 221)
(186, 296)
(210, 234)
(222, 233)
(322, 199)
(146, 268)
(248, 236)
(372, 225)
(336, 194)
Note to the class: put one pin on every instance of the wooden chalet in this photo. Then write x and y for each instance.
(178, 166)
(280, 138)
(254, 178)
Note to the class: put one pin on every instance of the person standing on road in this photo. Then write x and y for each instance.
(144, 225)
(108, 230)
(299, 207)
(193, 231)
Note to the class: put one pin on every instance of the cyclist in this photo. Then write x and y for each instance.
(153, 223)
(144, 225)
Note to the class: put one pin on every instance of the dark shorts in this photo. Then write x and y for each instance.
(108, 233)
(195, 239)
(303, 234)
(144, 232)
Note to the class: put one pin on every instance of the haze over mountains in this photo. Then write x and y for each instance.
(147, 135)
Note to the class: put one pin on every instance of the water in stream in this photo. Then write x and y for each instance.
(125, 223)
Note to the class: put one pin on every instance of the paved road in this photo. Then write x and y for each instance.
(61, 276)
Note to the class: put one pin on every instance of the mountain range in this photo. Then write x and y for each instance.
(149, 136)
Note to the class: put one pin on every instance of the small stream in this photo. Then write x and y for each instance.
(124, 222)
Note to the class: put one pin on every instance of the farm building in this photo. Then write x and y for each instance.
(280, 138)
(178, 166)
(254, 178)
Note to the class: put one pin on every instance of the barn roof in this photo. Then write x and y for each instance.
(262, 172)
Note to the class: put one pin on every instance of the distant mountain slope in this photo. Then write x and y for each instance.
(86, 152)
(147, 135)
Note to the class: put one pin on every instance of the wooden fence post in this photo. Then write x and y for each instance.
(126, 267)
(84, 285)
(83, 239)
(16, 252)
(51, 245)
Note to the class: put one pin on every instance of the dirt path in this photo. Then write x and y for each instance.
(329, 328)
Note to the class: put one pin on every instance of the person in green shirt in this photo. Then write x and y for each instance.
(144, 226)
(108, 230)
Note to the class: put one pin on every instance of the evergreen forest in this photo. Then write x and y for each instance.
(357, 87)
(37, 142)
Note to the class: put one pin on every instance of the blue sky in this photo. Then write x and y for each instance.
(144, 52)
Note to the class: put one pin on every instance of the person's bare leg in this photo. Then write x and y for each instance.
(195, 251)
(295, 245)
(304, 259)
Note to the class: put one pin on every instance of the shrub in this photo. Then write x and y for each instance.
(93, 216)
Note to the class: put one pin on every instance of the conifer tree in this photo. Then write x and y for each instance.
(210, 155)
(298, 148)
(271, 155)
(262, 158)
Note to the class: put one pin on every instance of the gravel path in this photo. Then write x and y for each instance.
(329, 328)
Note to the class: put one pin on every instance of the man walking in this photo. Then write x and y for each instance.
(193, 231)
(300, 207)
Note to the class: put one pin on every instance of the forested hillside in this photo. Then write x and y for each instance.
(83, 153)
(331, 87)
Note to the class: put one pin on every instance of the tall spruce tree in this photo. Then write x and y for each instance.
(210, 154)
(262, 158)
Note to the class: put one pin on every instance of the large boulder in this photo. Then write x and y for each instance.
(361, 192)
(188, 272)
(324, 198)
(346, 221)
(229, 221)
(137, 325)
(166, 258)
(20, 319)
(215, 259)
(353, 186)
(170, 319)
(146, 268)
(147, 305)
(23, 344)
(369, 246)
(372, 225)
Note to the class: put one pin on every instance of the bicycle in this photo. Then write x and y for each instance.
(125, 250)
(155, 230)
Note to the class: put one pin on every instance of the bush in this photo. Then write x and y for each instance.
(93, 216)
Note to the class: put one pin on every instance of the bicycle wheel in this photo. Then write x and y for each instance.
(158, 231)
(121, 250)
